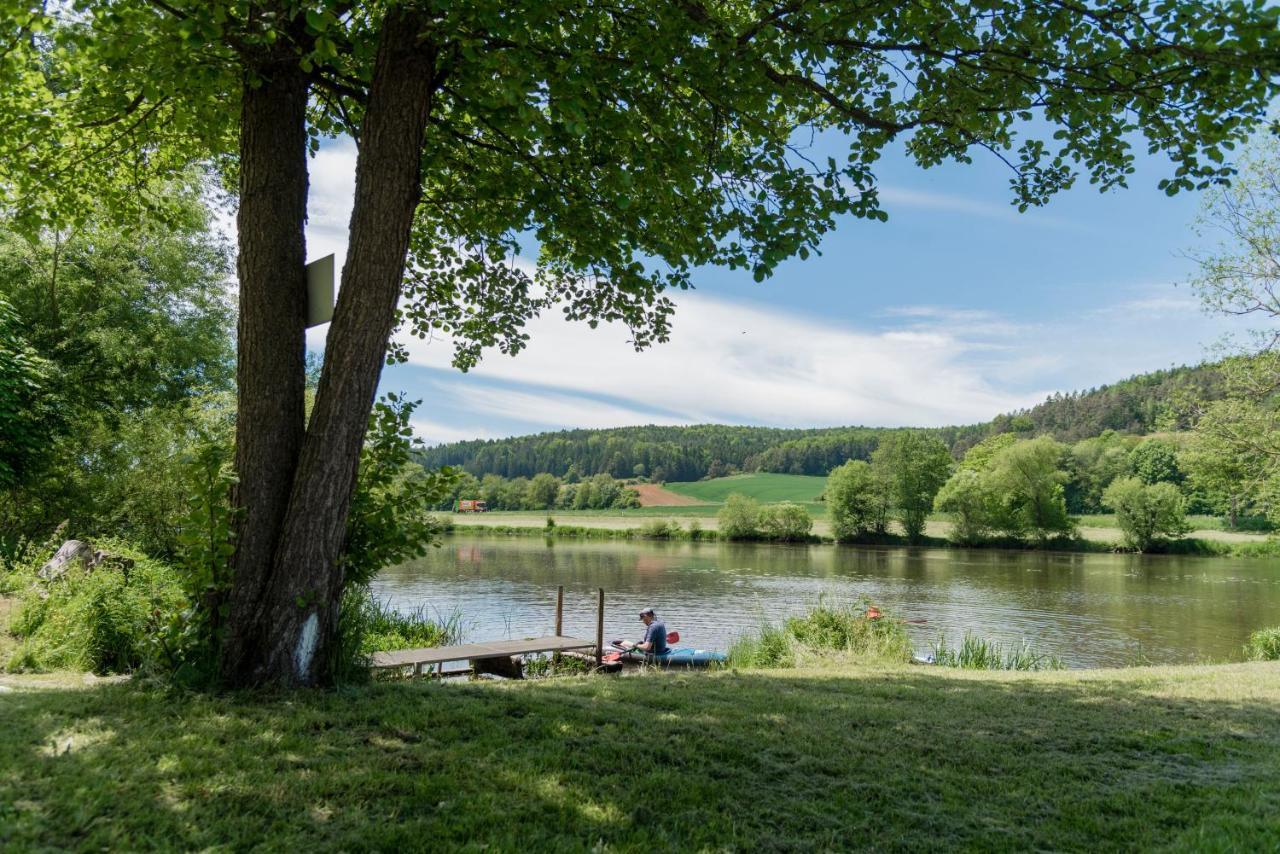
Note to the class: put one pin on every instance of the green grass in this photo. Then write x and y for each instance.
(765, 488)
(1197, 522)
(1263, 645)
(866, 757)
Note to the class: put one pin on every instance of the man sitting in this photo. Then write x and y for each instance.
(655, 636)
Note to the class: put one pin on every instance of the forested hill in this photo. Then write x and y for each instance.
(1140, 404)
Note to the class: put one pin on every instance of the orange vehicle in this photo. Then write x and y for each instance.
(470, 505)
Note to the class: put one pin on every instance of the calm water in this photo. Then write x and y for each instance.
(1090, 610)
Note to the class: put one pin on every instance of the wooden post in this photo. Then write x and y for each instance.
(599, 626)
(560, 610)
(559, 619)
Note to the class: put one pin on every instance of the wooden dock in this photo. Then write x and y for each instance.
(494, 651)
(435, 655)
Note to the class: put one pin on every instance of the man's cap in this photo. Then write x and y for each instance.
(646, 611)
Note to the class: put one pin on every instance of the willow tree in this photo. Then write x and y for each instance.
(631, 142)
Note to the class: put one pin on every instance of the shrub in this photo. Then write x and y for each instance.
(858, 501)
(972, 504)
(1147, 513)
(739, 518)
(825, 631)
(975, 653)
(785, 522)
(103, 620)
(1263, 645)
(661, 529)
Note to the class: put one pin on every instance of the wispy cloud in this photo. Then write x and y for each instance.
(555, 408)
(892, 197)
(439, 432)
(736, 362)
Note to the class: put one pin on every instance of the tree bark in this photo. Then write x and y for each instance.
(271, 354)
(297, 629)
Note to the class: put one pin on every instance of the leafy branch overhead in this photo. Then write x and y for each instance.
(636, 142)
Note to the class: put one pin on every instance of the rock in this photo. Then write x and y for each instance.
(73, 551)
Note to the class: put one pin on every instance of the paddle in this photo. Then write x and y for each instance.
(873, 613)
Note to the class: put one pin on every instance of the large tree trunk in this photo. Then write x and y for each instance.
(295, 634)
(271, 356)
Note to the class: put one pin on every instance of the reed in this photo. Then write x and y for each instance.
(975, 653)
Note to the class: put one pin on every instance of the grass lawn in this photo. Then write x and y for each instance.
(762, 487)
(901, 758)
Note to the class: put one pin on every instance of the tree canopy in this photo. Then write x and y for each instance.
(633, 142)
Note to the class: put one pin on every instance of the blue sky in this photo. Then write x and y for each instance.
(956, 309)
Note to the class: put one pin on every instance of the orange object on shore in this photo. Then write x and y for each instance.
(873, 613)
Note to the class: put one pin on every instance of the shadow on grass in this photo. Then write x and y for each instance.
(886, 759)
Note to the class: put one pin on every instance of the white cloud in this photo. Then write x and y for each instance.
(736, 362)
(332, 188)
(436, 432)
(892, 197)
(555, 408)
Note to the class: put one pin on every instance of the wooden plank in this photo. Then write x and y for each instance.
(473, 651)
(600, 627)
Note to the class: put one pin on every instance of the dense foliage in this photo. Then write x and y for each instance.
(1011, 489)
(542, 492)
(913, 466)
(1147, 512)
(104, 620)
(1234, 458)
(132, 335)
(857, 500)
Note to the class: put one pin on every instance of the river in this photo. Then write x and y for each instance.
(1090, 610)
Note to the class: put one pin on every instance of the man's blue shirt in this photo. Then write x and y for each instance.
(656, 634)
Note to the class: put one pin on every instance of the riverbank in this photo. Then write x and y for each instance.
(643, 524)
(906, 757)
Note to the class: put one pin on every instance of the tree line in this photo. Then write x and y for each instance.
(1010, 489)
(1142, 404)
(542, 492)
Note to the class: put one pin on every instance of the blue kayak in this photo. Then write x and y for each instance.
(678, 656)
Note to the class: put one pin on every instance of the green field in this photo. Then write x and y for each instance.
(765, 488)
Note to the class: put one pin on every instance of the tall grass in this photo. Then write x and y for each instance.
(102, 621)
(825, 632)
(368, 624)
(975, 653)
(1263, 645)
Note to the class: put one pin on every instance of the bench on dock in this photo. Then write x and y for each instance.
(475, 652)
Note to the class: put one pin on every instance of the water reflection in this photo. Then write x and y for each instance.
(1090, 610)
